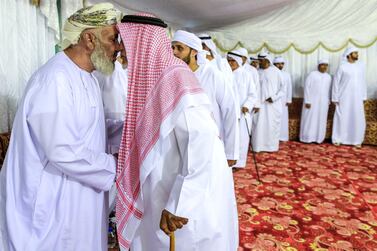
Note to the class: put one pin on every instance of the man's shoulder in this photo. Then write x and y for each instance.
(55, 74)
(287, 74)
(55, 67)
(313, 73)
(211, 71)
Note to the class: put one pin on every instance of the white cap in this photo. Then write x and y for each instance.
(323, 61)
(350, 50)
(192, 41)
(243, 52)
(279, 60)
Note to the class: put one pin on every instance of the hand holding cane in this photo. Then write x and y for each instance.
(169, 224)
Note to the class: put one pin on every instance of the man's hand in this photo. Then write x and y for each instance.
(255, 109)
(170, 223)
(308, 106)
(335, 103)
(244, 110)
(231, 162)
(269, 100)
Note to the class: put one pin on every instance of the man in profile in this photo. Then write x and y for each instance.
(56, 175)
(172, 169)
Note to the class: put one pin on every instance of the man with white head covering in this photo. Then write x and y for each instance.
(172, 175)
(248, 101)
(279, 62)
(266, 133)
(186, 46)
(56, 175)
(254, 62)
(315, 108)
(213, 56)
(250, 69)
(349, 92)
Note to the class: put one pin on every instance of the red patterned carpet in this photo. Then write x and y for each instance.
(313, 197)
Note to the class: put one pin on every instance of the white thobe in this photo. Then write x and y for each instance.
(114, 95)
(192, 180)
(56, 171)
(224, 107)
(314, 120)
(287, 99)
(247, 97)
(266, 133)
(224, 67)
(254, 73)
(349, 89)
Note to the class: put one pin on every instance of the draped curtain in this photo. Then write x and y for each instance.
(306, 31)
(28, 37)
(26, 43)
(302, 31)
(300, 65)
(305, 25)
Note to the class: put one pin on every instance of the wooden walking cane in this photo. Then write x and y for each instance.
(172, 242)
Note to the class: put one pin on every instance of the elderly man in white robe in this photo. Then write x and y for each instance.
(316, 103)
(279, 62)
(349, 92)
(188, 47)
(173, 177)
(56, 174)
(266, 133)
(248, 100)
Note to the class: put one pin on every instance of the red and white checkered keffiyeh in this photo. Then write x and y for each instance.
(157, 82)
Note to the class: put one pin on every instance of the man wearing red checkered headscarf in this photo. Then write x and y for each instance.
(172, 171)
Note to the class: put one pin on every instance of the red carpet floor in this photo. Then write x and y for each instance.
(313, 197)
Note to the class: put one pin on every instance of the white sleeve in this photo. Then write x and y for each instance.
(336, 85)
(54, 127)
(195, 137)
(364, 83)
(229, 116)
(307, 90)
(289, 89)
(233, 83)
(282, 88)
(257, 89)
(252, 95)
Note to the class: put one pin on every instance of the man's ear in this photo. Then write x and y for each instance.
(194, 53)
(89, 40)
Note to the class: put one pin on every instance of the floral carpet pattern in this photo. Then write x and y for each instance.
(312, 197)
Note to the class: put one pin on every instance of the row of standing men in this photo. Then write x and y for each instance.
(250, 97)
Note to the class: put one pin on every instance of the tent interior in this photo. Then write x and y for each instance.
(304, 202)
(302, 31)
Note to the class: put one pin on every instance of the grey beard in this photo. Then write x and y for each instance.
(100, 61)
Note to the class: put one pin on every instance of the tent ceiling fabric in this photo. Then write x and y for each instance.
(306, 25)
(199, 15)
(273, 24)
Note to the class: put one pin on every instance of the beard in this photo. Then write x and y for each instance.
(355, 58)
(101, 62)
(187, 59)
